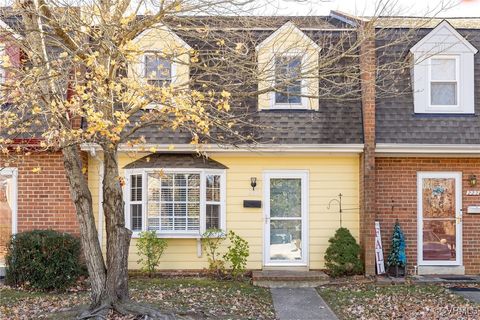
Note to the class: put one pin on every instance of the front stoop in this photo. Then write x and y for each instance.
(289, 279)
(446, 278)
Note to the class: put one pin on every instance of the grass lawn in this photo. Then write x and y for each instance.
(371, 301)
(199, 297)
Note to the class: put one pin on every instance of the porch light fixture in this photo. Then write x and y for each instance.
(473, 180)
(253, 182)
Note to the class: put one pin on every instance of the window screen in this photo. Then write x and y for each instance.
(443, 85)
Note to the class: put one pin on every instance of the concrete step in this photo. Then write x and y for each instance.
(289, 279)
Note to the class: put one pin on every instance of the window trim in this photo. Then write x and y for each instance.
(440, 107)
(303, 105)
(175, 234)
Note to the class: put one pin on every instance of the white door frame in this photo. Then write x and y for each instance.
(14, 173)
(299, 174)
(458, 215)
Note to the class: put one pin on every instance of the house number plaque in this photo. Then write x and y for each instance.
(473, 193)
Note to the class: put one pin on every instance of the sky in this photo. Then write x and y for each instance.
(439, 8)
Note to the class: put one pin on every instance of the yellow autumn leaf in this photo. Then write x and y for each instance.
(153, 149)
(171, 147)
(36, 170)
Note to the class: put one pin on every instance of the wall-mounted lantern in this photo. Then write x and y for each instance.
(253, 182)
(473, 180)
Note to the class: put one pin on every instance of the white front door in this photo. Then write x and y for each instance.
(439, 218)
(286, 211)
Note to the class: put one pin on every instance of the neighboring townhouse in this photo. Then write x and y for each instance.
(427, 147)
(30, 199)
(385, 155)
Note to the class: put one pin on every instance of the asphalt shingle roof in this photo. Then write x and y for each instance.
(395, 118)
(175, 160)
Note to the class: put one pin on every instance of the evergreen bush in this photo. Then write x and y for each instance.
(342, 257)
(43, 260)
(397, 259)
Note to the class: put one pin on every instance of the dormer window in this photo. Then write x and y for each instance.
(288, 70)
(288, 81)
(163, 59)
(158, 70)
(444, 82)
(443, 72)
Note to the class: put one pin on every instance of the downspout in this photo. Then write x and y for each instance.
(93, 153)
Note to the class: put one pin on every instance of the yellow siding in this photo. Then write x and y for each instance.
(328, 176)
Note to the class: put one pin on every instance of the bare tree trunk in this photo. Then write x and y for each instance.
(82, 199)
(118, 236)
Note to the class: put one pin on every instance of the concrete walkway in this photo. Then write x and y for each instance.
(300, 304)
(472, 294)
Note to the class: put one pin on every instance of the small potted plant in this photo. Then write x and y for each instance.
(397, 259)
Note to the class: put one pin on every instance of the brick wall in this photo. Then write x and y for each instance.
(44, 198)
(397, 186)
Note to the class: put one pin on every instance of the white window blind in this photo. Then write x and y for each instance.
(443, 82)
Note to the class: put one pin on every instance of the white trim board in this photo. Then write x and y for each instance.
(442, 149)
(261, 148)
(293, 28)
(451, 29)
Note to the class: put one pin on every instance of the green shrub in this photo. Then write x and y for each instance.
(237, 254)
(150, 248)
(43, 259)
(342, 257)
(211, 240)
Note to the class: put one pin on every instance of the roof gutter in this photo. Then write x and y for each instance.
(263, 148)
(430, 149)
(349, 19)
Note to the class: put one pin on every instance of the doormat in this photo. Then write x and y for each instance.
(465, 289)
(457, 278)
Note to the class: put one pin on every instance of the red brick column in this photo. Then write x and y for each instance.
(367, 163)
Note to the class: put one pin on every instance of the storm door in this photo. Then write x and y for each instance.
(439, 218)
(286, 239)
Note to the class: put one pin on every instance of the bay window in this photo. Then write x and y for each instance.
(175, 202)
